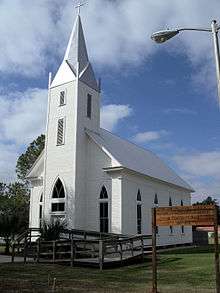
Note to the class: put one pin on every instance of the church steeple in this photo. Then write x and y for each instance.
(76, 60)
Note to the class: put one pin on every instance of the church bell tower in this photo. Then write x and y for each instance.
(73, 106)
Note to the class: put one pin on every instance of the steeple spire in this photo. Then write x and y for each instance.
(76, 51)
(76, 57)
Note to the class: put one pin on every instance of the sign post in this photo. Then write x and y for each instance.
(198, 215)
(154, 251)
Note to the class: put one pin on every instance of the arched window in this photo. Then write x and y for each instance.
(181, 203)
(103, 193)
(103, 211)
(170, 204)
(58, 195)
(139, 213)
(139, 195)
(58, 191)
(155, 200)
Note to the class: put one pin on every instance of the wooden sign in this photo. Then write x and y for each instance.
(199, 215)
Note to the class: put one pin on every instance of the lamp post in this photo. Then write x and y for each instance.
(165, 35)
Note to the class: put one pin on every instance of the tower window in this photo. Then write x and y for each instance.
(60, 132)
(89, 106)
(62, 98)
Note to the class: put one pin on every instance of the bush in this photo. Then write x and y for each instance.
(52, 230)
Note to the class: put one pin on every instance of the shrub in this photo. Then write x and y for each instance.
(52, 230)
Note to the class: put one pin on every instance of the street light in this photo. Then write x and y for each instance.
(163, 36)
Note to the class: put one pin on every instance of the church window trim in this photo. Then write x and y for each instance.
(62, 98)
(139, 212)
(58, 197)
(61, 125)
(89, 106)
(104, 210)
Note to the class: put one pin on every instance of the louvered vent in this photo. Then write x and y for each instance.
(62, 98)
(60, 132)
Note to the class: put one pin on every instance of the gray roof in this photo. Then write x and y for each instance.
(135, 158)
(76, 53)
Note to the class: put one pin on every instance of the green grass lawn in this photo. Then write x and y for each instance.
(190, 270)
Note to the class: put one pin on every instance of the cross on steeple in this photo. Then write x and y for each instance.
(79, 5)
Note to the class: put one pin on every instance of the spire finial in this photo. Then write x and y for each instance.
(79, 5)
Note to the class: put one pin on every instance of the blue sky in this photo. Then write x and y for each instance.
(162, 97)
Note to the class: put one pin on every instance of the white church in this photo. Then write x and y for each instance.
(90, 177)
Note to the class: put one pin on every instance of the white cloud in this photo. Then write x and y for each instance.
(8, 157)
(149, 136)
(22, 120)
(202, 171)
(34, 32)
(200, 164)
(23, 115)
(112, 114)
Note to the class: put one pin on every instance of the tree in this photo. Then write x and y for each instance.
(209, 200)
(14, 205)
(27, 159)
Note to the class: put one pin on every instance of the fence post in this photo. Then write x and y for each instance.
(72, 248)
(54, 251)
(132, 247)
(38, 250)
(142, 247)
(154, 251)
(25, 250)
(13, 253)
(121, 252)
(216, 251)
(101, 255)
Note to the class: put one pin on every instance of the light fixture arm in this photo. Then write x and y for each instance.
(196, 29)
(165, 35)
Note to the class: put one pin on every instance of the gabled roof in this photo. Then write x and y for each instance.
(130, 156)
(37, 168)
(76, 62)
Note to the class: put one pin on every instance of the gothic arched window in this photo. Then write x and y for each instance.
(103, 211)
(103, 193)
(58, 195)
(139, 213)
(139, 195)
(170, 202)
(58, 191)
(155, 199)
